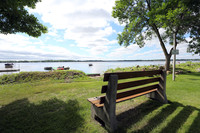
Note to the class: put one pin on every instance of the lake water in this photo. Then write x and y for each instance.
(98, 67)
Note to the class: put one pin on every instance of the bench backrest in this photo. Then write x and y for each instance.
(160, 78)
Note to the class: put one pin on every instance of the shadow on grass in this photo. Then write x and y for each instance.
(52, 116)
(131, 117)
(187, 72)
(194, 74)
(195, 127)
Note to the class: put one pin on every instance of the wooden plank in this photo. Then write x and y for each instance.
(125, 85)
(126, 75)
(93, 74)
(132, 92)
(136, 91)
(95, 100)
(135, 95)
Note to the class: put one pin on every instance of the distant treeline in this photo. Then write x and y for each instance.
(27, 61)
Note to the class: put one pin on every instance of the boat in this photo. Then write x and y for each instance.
(9, 65)
(63, 68)
(66, 68)
(48, 68)
(90, 64)
(60, 68)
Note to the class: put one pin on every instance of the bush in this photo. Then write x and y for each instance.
(31, 76)
(183, 67)
(136, 68)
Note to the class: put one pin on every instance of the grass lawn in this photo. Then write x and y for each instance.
(54, 106)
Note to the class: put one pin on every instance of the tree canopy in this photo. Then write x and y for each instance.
(168, 20)
(14, 18)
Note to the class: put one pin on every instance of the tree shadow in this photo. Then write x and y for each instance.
(187, 72)
(52, 116)
(131, 117)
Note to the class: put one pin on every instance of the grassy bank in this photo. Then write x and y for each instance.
(183, 67)
(33, 76)
(57, 106)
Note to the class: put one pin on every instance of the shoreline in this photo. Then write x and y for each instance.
(39, 61)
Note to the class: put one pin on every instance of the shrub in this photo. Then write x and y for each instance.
(31, 76)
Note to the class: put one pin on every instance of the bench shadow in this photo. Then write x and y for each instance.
(179, 119)
(131, 117)
(194, 128)
(51, 116)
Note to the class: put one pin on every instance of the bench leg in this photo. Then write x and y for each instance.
(160, 95)
(107, 112)
(100, 116)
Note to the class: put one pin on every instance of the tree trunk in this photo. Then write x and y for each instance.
(167, 62)
(167, 56)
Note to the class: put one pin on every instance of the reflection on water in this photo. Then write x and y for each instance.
(98, 67)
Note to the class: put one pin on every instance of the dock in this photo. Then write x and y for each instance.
(10, 70)
(93, 74)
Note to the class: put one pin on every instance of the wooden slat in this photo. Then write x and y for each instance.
(125, 85)
(95, 100)
(99, 105)
(135, 95)
(124, 94)
(136, 91)
(126, 75)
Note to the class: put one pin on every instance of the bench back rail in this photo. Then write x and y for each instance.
(160, 88)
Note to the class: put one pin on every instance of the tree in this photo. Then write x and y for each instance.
(194, 47)
(14, 18)
(180, 20)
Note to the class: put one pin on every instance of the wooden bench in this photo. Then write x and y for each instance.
(103, 107)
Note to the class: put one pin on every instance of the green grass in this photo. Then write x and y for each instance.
(57, 106)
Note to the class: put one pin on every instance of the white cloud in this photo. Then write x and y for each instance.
(21, 47)
(52, 32)
(84, 21)
(12, 39)
(64, 14)
(123, 52)
(150, 52)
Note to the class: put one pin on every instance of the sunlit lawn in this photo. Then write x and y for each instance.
(51, 106)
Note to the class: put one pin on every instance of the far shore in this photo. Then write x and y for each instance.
(30, 61)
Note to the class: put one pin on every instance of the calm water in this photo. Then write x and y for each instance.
(98, 67)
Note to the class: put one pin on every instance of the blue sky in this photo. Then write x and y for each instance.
(79, 30)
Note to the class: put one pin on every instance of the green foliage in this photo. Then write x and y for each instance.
(32, 76)
(194, 47)
(144, 18)
(134, 16)
(136, 68)
(14, 18)
(183, 67)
